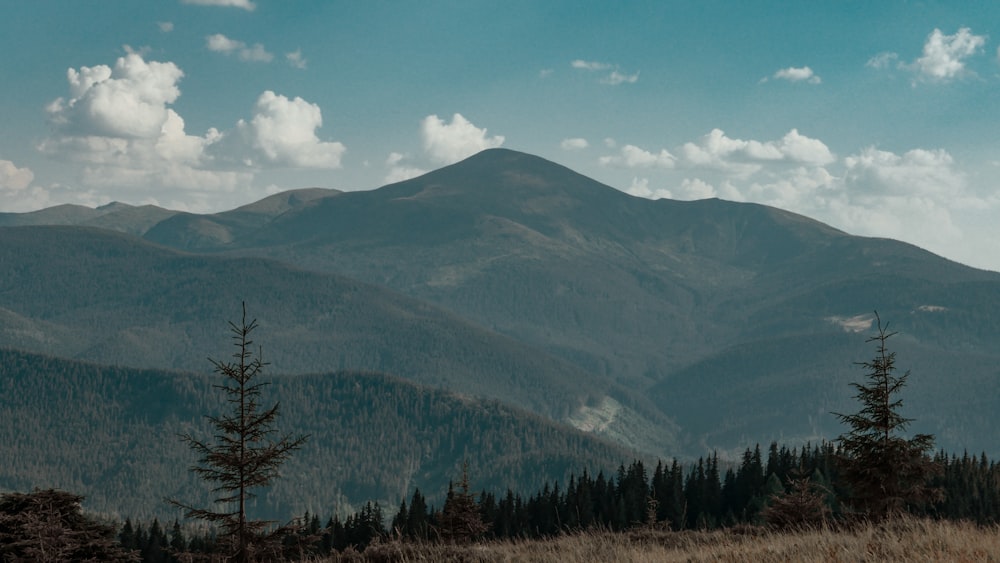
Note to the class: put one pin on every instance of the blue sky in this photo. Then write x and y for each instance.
(879, 118)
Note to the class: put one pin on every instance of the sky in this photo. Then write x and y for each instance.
(878, 118)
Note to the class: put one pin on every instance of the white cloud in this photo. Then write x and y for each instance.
(793, 74)
(589, 65)
(128, 101)
(398, 171)
(922, 172)
(545, 73)
(14, 179)
(882, 60)
(944, 55)
(117, 123)
(447, 143)
(296, 59)
(632, 156)
(219, 43)
(17, 194)
(247, 5)
(799, 148)
(744, 158)
(165, 27)
(614, 78)
(574, 144)
(283, 132)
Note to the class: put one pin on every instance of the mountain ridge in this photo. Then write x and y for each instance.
(641, 295)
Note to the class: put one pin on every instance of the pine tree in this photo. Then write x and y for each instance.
(886, 472)
(460, 518)
(245, 456)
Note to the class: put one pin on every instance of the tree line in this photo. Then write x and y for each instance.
(873, 472)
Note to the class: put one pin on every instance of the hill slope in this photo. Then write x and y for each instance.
(111, 434)
(667, 299)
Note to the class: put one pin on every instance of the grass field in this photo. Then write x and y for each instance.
(901, 540)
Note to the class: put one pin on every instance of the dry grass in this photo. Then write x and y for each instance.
(905, 540)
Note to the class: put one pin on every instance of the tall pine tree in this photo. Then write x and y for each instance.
(244, 456)
(886, 472)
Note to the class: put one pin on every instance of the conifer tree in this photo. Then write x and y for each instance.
(245, 456)
(460, 517)
(885, 471)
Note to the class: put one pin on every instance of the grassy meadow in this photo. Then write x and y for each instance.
(902, 540)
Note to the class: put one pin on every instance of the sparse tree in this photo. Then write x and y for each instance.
(886, 472)
(245, 456)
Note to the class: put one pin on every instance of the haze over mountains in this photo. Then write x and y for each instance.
(670, 327)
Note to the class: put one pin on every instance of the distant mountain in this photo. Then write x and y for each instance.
(191, 231)
(111, 433)
(114, 216)
(738, 322)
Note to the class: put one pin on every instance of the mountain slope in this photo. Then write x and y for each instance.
(96, 295)
(111, 434)
(663, 298)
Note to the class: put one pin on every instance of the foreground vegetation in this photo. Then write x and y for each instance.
(857, 499)
(906, 539)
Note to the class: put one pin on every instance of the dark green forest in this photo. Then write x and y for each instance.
(706, 494)
(111, 434)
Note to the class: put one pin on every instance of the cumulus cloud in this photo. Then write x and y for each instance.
(398, 170)
(116, 122)
(614, 78)
(631, 156)
(447, 143)
(17, 194)
(283, 132)
(296, 59)
(247, 5)
(793, 74)
(14, 179)
(127, 101)
(165, 27)
(219, 43)
(944, 55)
(918, 172)
(745, 157)
(574, 144)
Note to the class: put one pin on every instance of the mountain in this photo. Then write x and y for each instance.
(97, 295)
(191, 231)
(662, 296)
(114, 216)
(111, 434)
(734, 322)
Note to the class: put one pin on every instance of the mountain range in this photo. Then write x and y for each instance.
(671, 328)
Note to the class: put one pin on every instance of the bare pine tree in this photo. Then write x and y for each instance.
(244, 456)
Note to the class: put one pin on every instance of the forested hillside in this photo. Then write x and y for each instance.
(95, 295)
(112, 434)
(674, 327)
